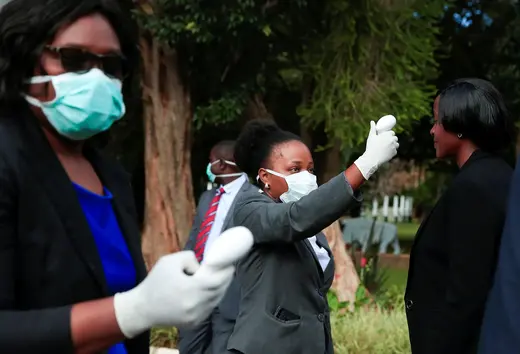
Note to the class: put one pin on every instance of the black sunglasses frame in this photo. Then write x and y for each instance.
(88, 59)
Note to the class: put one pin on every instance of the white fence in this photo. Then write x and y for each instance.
(400, 210)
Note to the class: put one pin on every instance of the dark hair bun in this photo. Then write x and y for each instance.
(251, 144)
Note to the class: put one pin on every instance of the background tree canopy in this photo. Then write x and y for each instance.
(321, 68)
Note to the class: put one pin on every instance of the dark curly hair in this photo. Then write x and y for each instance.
(256, 143)
(475, 108)
(26, 26)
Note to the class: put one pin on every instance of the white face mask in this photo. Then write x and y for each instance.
(300, 184)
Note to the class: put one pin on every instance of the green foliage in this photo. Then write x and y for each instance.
(366, 58)
(391, 298)
(224, 48)
(180, 21)
(406, 231)
(371, 275)
(166, 337)
(334, 304)
(375, 58)
(222, 110)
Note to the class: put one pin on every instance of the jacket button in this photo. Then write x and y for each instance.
(408, 304)
(321, 317)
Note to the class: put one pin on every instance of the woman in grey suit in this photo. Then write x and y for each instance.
(285, 278)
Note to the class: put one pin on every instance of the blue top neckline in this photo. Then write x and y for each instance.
(86, 192)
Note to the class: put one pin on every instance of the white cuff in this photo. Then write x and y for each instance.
(366, 166)
(130, 320)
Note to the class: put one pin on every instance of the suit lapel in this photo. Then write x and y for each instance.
(58, 187)
(202, 208)
(206, 202)
(316, 267)
(229, 215)
(121, 203)
(328, 273)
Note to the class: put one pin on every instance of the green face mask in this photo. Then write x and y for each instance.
(86, 104)
(212, 177)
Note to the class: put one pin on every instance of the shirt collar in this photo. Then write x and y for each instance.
(234, 186)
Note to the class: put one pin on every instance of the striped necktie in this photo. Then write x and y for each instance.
(205, 227)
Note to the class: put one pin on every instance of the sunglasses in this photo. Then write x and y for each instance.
(79, 60)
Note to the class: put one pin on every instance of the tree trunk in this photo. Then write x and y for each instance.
(256, 109)
(167, 118)
(346, 279)
(333, 162)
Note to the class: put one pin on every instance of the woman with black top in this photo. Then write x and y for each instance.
(70, 256)
(454, 255)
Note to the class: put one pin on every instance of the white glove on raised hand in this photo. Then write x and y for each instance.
(380, 148)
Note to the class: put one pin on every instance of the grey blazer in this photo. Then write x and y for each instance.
(229, 305)
(283, 305)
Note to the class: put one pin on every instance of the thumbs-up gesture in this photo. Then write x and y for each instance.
(380, 148)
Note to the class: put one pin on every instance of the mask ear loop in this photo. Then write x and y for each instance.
(38, 79)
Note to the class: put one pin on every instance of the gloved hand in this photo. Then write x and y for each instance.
(380, 148)
(170, 297)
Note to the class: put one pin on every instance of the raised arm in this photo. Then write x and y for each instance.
(295, 221)
(290, 222)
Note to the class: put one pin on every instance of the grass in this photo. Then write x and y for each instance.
(362, 332)
(371, 332)
(395, 277)
(407, 231)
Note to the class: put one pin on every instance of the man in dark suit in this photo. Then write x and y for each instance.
(500, 332)
(213, 216)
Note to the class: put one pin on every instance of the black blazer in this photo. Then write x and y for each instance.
(48, 257)
(453, 259)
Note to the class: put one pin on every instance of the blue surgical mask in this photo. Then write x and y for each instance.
(86, 104)
(212, 177)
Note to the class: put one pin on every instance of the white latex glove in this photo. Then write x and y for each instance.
(170, 297)
(380, 148)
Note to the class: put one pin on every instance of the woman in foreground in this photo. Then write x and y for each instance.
(70, 255)
(455, 250)
(285, 279)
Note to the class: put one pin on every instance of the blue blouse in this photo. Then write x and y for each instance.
(116, 260)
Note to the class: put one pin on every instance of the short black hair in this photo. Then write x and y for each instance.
(226, 148)
(26, 26)
(475, 109)
(256, 142)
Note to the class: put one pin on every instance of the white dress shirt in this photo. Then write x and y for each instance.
(321, 253)
(230, 192)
